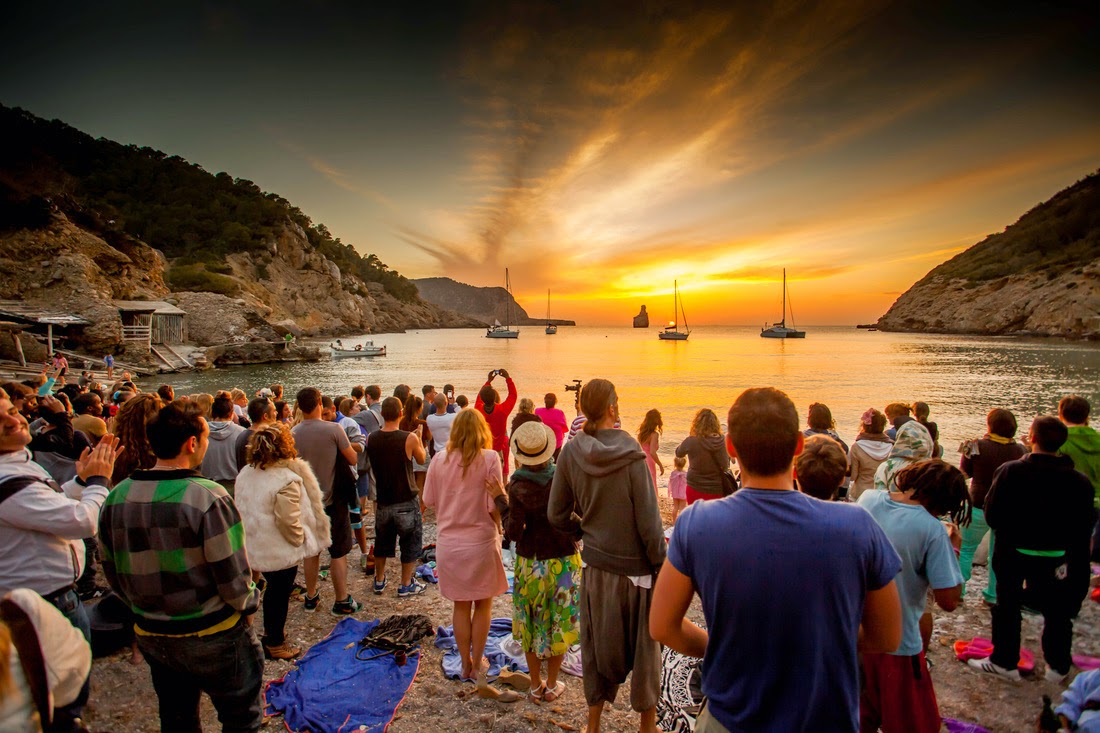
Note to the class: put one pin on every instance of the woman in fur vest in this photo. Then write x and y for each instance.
(284, 523)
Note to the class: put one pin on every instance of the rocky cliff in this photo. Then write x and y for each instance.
(86, 221)
(484, 304)
(1040, 276)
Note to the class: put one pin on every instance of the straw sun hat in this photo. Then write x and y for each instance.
(532, 443)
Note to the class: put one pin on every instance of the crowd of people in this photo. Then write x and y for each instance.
(816, 563)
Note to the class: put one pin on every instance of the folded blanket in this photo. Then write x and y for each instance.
(331, 691)
(500, 629)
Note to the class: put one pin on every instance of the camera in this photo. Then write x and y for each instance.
(575, 387)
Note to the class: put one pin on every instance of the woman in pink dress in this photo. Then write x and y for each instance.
(468, 559)
(649, 437)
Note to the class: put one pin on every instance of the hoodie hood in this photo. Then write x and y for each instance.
(1083, 439)
(875, 449)
(223, 430)
(606, 452)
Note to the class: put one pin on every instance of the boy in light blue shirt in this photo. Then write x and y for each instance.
(898, 693)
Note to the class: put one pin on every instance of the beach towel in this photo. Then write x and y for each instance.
(959, 726)
(330, 691)
(500, 629)
(681, 692)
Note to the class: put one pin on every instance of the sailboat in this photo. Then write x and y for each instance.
(497, 331)
(781, 330)
(551, 329)
(672, 331)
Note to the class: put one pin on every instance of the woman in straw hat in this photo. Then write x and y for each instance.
(546, 617)
(468, 558)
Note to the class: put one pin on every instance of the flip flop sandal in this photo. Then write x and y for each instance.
(554, 694)
(1084, 662)
(981, 648)
(976, 648)
(535, 696)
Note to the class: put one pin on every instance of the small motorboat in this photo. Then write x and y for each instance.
(367, 348)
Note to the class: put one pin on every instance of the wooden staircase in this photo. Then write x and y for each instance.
(170, 357)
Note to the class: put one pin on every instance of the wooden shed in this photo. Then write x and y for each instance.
(152, 322)
(35, 315)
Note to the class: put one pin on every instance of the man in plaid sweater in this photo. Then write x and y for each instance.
(173, 548)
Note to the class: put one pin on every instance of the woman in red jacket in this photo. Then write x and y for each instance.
(496, 412)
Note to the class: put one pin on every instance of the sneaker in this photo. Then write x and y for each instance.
(346, 607)
(297, 592)
(1053, 675)
(984, 665)
(312, 603)
(379, 587)
(414, 588)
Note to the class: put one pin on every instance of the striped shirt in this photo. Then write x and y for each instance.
(173, 548)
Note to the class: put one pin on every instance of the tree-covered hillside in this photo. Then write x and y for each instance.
(1061, 233)
(196, 218)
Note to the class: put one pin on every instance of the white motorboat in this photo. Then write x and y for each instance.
(345, 351)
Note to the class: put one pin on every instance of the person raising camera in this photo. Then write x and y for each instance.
(496, 412)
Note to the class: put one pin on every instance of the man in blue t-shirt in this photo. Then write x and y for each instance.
(789, 585)
(898, 696)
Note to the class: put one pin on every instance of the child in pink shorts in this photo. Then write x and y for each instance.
(677, 486)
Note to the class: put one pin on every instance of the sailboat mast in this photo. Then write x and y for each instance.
(684, 314)
(675, 304)
(783, 315)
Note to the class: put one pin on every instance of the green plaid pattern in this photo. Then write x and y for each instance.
(173, 547)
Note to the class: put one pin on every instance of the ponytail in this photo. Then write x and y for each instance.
(596, 399)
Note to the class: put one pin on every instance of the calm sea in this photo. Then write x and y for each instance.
(961, 377)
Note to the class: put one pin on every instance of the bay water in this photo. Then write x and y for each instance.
(960, 377)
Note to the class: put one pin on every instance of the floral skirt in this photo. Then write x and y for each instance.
(546, 617)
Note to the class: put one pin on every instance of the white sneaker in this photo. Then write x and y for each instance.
(1053, 675)
(984, 665)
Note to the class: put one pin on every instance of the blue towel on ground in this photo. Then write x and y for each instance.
(499, 629)
(330, 690)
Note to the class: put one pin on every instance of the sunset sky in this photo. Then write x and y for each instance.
(603, 151)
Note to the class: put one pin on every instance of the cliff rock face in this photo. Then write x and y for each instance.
(642, 319)
(1029, 304)
(483, 304)
(67, 268)
(1041, 276)
(294, 285)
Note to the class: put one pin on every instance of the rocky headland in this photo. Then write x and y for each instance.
(485, 304)
(1039, 277)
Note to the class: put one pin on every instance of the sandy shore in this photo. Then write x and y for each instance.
(123, 700)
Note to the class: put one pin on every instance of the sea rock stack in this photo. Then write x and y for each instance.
(642, 319)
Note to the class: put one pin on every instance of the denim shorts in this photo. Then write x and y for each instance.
(399, 522)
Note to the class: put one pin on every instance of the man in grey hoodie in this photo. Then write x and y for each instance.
(603, 488)
(220, 462)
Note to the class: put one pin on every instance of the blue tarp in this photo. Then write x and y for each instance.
(330, 691)
(499, 630)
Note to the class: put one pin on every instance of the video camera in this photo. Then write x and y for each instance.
(575, 387)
